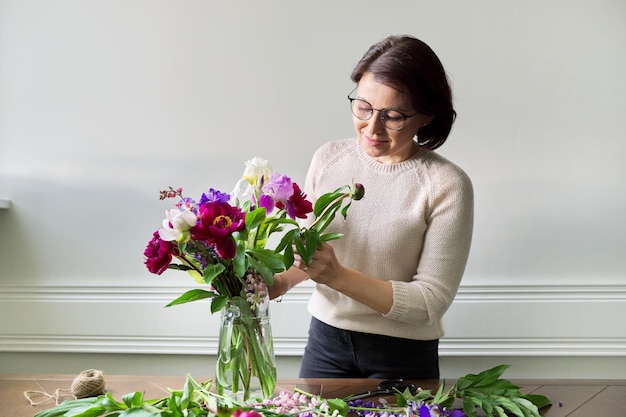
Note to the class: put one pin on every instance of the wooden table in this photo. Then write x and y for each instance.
(575, 398)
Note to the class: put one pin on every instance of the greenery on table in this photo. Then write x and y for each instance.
(485, 391)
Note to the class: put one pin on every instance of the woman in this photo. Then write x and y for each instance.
(382, 289)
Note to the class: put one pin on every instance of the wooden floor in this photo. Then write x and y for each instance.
(574, 398)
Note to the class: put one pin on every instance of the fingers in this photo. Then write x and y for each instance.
(299, 263)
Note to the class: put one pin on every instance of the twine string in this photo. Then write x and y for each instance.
(89, 383)
(41, 397)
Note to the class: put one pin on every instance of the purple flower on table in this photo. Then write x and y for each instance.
(434, 410)
(425, 411)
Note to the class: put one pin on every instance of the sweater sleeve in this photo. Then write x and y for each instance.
(444, 253)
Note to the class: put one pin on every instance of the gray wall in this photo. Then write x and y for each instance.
(104, 103)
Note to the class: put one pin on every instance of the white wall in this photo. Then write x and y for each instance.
(104, 103)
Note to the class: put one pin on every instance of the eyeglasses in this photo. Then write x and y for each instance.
(391, 118)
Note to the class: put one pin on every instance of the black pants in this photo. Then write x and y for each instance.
(335, 353)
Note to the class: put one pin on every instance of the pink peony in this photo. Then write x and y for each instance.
(217, 221)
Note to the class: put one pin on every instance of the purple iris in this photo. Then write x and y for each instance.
(214, 195)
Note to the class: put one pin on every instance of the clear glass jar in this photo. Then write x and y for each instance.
(246, 365)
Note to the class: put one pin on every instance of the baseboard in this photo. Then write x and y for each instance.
(483, 321)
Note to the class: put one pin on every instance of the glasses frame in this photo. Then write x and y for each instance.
(381, 112)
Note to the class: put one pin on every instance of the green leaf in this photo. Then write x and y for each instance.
(538, 400)
(324, 201)
(133, 399)
(261, 268)
(487, 408)
(500, 411)
(312, 239)
(420, 395)
(330, 236)
(218, 303)
(401, 400)
(255, 218)
(275, 222)
(68, 405)
(94, 410)
(269, 258)
(327, 218)
(511, 407)
(187, 393)
(484, 378)
(108, 401)
(338, 404)
(442, 397)
(447, 403)
(490, 376)
(211, 271)
(179, 267)
(302, 250)
(192, 295)
(307, 245)
(139, 412)
(526, 406)
(239, 261)
(260, 236)
(287, 240)
(344, 211)
(500, 384)
(288, 257)
(173, 403)
(469, 407)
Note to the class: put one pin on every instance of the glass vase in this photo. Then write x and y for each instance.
(246, 366)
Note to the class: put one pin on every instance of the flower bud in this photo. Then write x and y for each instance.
(357, 191)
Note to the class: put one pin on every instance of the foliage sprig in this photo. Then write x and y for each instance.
(485, 391)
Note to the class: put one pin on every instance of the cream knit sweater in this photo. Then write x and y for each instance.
(413, 228)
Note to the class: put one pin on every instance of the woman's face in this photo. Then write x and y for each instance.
(385, 145)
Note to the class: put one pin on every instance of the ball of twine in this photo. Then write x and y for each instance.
(89, 383)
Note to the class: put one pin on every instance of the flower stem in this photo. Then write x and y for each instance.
(327, 209)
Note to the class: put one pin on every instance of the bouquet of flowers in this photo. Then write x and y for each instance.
(220, 240)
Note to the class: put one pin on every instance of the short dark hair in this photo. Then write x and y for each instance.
(408, 64)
